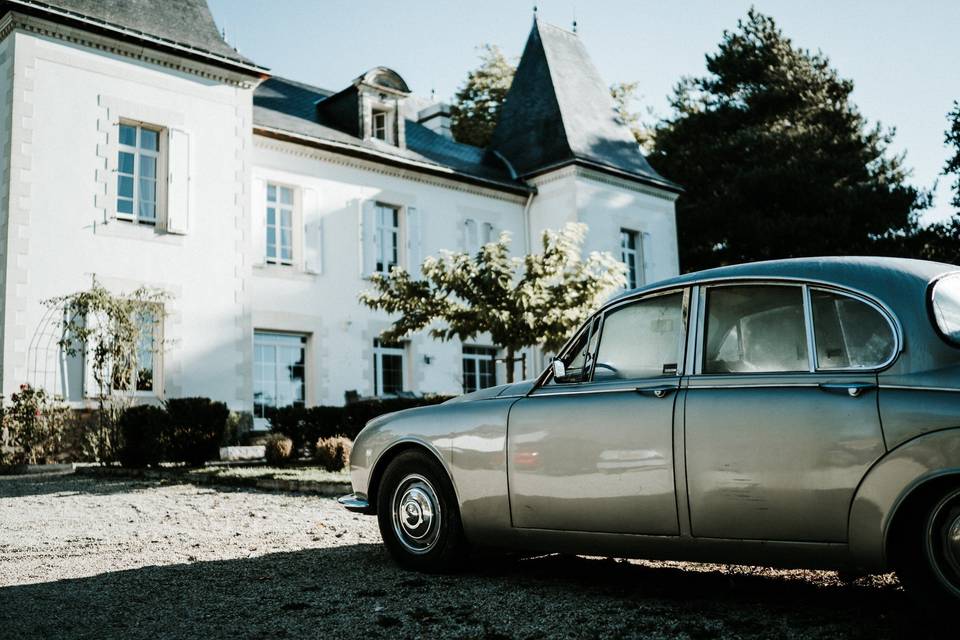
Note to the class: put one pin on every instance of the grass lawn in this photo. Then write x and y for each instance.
(316, 474)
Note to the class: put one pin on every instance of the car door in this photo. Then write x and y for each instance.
(594, 451)
(781, 418)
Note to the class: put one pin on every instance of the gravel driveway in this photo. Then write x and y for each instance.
(94, 558)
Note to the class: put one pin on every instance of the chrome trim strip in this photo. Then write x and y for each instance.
(672, 384)
(764, 385)
(907, 387)
(808, 329)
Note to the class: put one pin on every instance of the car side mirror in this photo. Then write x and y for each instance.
(559, 370)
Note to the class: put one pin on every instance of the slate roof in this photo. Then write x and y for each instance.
(559, 110)
(286, 106)
(182, 25)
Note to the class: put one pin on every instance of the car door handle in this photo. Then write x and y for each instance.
(852, 389)
(657, 392)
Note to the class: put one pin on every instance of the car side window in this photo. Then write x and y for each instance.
(849, 333)
(755, 329)
(642, 339)
(577, 358)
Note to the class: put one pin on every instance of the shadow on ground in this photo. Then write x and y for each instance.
(355, 591)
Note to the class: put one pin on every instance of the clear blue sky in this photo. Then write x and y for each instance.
(904, 57)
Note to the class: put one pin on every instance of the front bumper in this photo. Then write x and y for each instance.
(355, 504)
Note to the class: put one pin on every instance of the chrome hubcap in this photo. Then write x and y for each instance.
(943, 542)
(416, 514)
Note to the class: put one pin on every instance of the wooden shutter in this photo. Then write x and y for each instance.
(488, 234)
(368, 238)
(178, 182)
(470, 244)
(646, 255)
(312, 232)
(414, 252)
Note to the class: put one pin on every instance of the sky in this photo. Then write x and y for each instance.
(903, 57)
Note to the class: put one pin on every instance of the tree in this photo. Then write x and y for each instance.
(539, 299)
(775, 158)
(476, 107)
(106, 329)
(624, 95)
(952, 166)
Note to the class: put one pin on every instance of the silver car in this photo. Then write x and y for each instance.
(790, 413)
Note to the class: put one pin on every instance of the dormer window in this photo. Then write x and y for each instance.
(380, 124)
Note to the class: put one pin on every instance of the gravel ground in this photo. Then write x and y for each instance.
(99, 558)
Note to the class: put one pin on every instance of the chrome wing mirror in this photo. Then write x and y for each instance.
(559, 370)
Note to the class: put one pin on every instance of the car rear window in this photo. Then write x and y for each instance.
(945, 306)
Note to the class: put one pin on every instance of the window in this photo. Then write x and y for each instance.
(279, 224)
(388, 237)
(755, 329)
(945, 307)
(142, 378)
(849, 333)
(479, 368)
(642, 340)
(279, 378)
(380, 124)
(388, 367)
(137, 168)
(630, 256)
(578, 356)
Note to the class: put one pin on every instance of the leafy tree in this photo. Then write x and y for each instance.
(624, 95)
(476, 107)
(106, 330)
(538, 299)
(775, 158)
(953, 163)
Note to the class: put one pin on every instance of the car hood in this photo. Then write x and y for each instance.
(515, 389)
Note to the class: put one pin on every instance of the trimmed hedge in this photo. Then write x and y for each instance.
(186, 430)
(143, 434)
(306, 425)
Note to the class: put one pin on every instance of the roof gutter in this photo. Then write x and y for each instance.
(388, 159)
(662, 183)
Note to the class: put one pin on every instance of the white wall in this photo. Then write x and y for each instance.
(67, 100)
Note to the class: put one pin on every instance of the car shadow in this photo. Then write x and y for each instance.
(356, 591)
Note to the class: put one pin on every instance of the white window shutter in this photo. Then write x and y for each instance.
(414, 252)
(646, 255)
(312, 232)
(368, 239)
(470, 236)
(488, 233)
(258, 221)
(178, 182)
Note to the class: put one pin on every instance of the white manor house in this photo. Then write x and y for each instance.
(139, 148)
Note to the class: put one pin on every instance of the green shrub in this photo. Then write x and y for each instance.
(143, 436)
(34, 424)
(197, 426)
(278, 449)
(333, 454)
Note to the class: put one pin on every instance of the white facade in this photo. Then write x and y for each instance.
(64, 95)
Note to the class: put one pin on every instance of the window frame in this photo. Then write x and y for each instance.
(636, 252)
(295, 236)
(398, 233)
(160, 169)
(261, 423)
(475, 360)
(379, 350)
(695, 367)
(157, 366)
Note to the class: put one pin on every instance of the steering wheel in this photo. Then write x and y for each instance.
(609, 367)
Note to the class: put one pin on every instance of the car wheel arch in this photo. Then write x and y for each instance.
(914, 500)
(390, 454)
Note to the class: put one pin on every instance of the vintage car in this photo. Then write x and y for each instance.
(797, 413)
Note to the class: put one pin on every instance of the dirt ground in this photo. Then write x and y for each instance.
(95, 558)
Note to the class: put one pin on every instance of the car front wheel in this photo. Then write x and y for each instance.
(418, 515)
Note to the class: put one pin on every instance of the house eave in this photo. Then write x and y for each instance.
(664, 184)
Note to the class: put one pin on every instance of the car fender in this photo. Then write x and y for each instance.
(887, 485)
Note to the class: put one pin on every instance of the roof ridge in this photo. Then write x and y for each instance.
(553, 87)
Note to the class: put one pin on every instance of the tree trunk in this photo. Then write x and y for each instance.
(509, 362)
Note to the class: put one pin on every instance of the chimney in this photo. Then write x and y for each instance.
(436, 117)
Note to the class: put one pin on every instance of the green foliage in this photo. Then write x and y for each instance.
(641, 124)
(106, 330)
(952, 138)
(307, 425)
(476, 107)
(775, 158)
(278, 449)
(538, 299)
(197, 426)
(144, 430)
(333, 454)
(35, 424)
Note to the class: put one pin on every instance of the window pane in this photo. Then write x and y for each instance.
(148, 167)
(146, 349)
(125, 206)
(125, 186)
(286, 218)
(286, 195)
(755, 329)
(945, 306)
(149, 139)
(125, 163)
(148, 210)
(128, 135)
(148, 189)
(392, 373)
(641, 340)
(271, 216)
(849, 332)
(271, 242)
(272, 192)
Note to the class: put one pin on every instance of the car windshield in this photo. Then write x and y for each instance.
(945, 306)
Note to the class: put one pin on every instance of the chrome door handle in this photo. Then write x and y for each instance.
(852, 389)
(657, 392)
